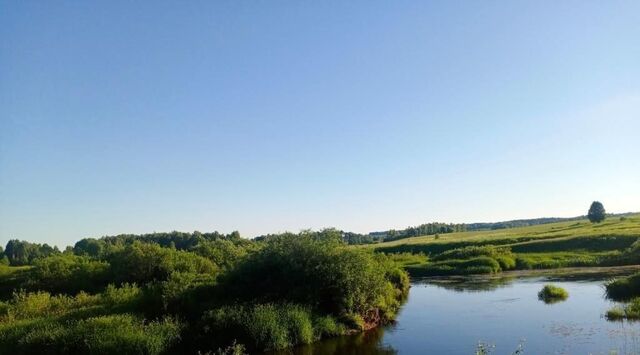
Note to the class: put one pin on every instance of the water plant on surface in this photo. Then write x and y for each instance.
(629, 311)
(552, 294)
(485, 348)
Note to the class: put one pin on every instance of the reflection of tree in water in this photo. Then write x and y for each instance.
(468, 284)
(369, 342)
(482, 283)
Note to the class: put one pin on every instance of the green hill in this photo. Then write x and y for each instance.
(553, 245)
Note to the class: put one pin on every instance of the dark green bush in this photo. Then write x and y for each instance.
(624, 288)
(319, 271)
(69, 274)
(143, 262)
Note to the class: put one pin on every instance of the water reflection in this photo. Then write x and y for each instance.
(369, 342)
(467, 284)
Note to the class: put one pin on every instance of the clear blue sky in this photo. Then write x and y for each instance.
(266, 116)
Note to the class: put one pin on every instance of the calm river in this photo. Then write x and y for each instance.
(451, 316)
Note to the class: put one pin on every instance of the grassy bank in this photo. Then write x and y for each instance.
(549, 246)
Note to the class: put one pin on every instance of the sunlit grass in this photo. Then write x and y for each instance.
(552, 294)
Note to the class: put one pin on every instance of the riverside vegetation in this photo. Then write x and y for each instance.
(625, 289)
(576, 243)
(192, 292)
(214, 293)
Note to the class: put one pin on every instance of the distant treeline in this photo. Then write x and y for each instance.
(518, 223)
(531, 222)
(392, 234)
(20, 253)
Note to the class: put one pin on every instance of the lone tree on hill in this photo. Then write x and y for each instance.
(596, 212)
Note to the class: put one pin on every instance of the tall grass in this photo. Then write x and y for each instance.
(109, 334)
(269, 326)
(629, 311)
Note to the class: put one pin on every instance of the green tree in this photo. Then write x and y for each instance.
(596, 213)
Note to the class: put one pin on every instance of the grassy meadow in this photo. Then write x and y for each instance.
(547, 246)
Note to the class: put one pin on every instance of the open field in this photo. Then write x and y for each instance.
(548, 246)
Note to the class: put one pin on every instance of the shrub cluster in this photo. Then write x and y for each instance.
(180, 292)
(467, 260)
(624, 288)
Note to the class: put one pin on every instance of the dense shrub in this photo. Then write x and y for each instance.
(143, 262)
(69, 274)
(124, 295)
(224, 253)
(624, 288)
(315, 269)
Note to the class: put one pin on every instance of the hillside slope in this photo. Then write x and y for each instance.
(573, 243)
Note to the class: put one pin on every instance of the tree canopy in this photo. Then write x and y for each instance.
(596, 212)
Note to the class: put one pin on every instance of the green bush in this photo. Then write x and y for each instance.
(507, 262)
(552, 294)
(317, 270)
(142, 263)
(69, 274)
(624, 288)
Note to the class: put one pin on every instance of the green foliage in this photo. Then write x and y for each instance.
(69, 273)
(111, 334)
(284, 290)
(315, 269)
(557, 260)
(224, 253)
(624, 288)
(24, 253)
(596, 212)
(471, 252)
(467, 260)
(552, 294)
(406, 259)
(629, 311)
(143, 262)
(177, 240)
(476, 265)
(268, 326)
